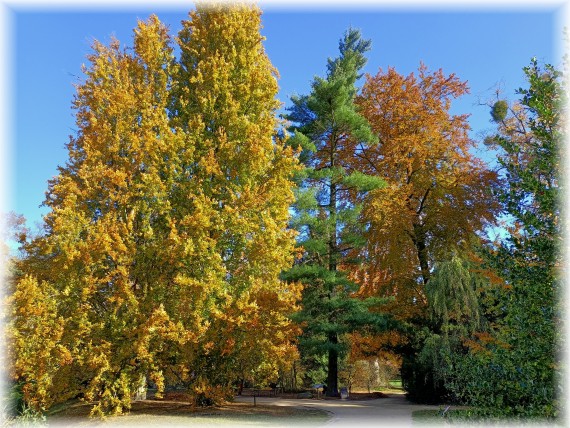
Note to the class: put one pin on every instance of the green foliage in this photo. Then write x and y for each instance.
(17, 412)
(452, 297)
(425, 371)
(510, 367)
(363, 182)
(314, 368)
(499, 111)
(515, 373)
(326, 121)
(455, 314)
(503, 383)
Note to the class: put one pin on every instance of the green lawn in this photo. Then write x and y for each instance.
(396, 384)
(394, 387)
(465, 417)
(427, 417)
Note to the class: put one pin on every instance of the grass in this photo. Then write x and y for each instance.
(465, 417)
(396, 384)
(150, 413)
(427, 417)
(441, 417)
(394, 387)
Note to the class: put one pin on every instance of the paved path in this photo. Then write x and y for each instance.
(394, 411)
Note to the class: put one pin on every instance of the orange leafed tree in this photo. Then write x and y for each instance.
(438, 194)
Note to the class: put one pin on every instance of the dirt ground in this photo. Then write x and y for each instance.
(176, 411)
(284, 410)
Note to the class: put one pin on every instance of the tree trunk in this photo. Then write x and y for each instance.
(332, 375)
(294, 377)
(140, 392)
(333, 234)
(420, 243)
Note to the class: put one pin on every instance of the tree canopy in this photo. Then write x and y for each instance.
(515, 371)
(167, 231)
(195, 239)
(325, 121)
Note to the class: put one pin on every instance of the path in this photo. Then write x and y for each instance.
(394, 411)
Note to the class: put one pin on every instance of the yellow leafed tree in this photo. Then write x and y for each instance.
(225, 103)
(167, 229)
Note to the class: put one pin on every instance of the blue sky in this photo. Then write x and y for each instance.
(484, 47)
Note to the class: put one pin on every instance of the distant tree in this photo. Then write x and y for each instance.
(325, 121)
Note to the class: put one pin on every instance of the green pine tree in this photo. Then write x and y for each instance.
(326, 124)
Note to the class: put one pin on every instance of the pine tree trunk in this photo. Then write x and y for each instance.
(332, 376)
(333, 217)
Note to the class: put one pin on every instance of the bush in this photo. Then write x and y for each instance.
(505, 384)
(205, 395)
(18, 412)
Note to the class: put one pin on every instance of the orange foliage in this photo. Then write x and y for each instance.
(364, 346)
(482, 341)
(437, 195)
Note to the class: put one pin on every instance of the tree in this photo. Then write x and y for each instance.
(455, 316)
(326, 216)
(438, 193)
(97, 260)
(167, 230)
(452, 297)
(437, 198)
(241, 171)
(516, 372)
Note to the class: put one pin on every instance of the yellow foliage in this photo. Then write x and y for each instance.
(166, 233)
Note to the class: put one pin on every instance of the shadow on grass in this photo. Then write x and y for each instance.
(173, 413)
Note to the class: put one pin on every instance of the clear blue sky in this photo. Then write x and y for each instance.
(483, 47)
